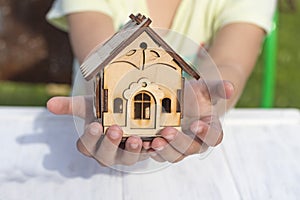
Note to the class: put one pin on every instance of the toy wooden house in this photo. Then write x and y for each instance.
(138, 80)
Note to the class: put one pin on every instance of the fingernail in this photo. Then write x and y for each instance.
(134, 145)
(197, 129)
(158, 148)
(170, 136)
(169, 133)
(94, 130)
(114, 135)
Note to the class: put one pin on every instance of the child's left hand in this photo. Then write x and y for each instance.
(201, 126)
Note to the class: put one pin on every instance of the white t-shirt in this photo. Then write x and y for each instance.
(197, 19)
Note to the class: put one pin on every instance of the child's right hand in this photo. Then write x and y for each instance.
(94, 143)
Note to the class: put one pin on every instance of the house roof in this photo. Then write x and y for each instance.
(138, 24)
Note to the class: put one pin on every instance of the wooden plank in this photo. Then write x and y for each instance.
(262, 117)
(98, 96)
(264, 158)
(194, 178)
(179, 60)
(105, 100)
(40, 160)
(105, 53)
(255, 161)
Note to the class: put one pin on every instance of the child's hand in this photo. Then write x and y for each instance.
(201, 125)
(93, 143)
(201, 128)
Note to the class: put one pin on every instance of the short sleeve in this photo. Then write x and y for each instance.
(60, 8)
(255, 12)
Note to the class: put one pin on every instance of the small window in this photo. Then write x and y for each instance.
(166, 105)
(142, 104)
(118, 105)
(139, 97)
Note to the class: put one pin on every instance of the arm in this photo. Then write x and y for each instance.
(235, 51)
(233, 47)
(87, 30)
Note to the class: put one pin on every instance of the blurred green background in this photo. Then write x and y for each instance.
(287, 81)
(48, 73)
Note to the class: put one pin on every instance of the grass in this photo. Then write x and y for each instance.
(287, 75)
(287, 92)
(29, 94)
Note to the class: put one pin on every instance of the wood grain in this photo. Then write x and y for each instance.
(255, 161)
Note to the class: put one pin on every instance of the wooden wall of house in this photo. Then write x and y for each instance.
(30, 48)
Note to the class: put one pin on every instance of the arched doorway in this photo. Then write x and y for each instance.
(143, 111)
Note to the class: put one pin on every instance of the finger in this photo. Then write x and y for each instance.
(87, 143)
(203, 148)
(155, 156)
(107, 152)
(144, 154)
(78, 105)
(131, 154)
(60, 105)
(225, 89)
(166, 151)
(146, 145)
(214, 90)
(183, 143)
(220, 90)
(208, 129)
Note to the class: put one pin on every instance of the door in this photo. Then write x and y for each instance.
(143, 111)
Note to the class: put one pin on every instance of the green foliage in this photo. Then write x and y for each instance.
(29, 94)
(21, 94)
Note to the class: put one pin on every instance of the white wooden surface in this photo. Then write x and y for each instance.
(258, 159)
